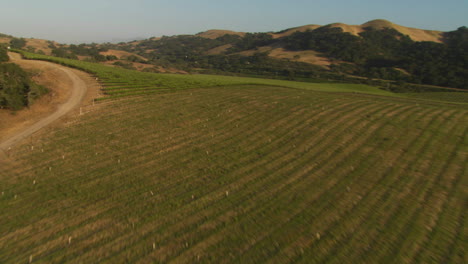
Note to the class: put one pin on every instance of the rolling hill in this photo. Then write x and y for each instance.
(378, 49)
(194, 168)
(32, 44)
(216, 33)
(276, 50)
(414, 33)
(239, 173)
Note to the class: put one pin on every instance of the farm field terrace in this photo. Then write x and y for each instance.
(118, 82)
(242, 174)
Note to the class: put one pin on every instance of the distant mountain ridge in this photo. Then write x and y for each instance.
(377, 49)
(414, 33)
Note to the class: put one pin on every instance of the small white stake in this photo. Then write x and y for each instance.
(154, 246)
(69, 240)
(227, 193)
(30, 259)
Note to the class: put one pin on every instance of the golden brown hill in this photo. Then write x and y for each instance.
(36, 44)
(216, 33)
(312, 57)
(307, 56)
(414, 33)
(120, 54)
(353, 29)
(290, 31)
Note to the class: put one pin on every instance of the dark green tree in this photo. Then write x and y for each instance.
(3, 54)
(16, 88)
(18, 43)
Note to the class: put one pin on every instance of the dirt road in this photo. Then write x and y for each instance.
(77, 94)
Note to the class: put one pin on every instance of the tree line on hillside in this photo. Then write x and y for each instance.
(375, 54)
(92, 51)
(257, 64)
(3, 54)
(388, 54)
(190, 53)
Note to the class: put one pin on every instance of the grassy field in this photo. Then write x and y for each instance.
(454, 97)
(119, 82)
(241, 174)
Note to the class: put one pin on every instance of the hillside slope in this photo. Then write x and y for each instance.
(244, 174)
(374, 51)
(216, 33)
(69, 90)
(414, 33)
(377, 49)
(32, 44)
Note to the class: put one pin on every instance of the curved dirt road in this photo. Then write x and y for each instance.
(78, 92)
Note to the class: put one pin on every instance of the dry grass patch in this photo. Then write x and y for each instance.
(216, 33)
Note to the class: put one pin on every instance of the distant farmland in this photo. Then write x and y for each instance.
(242, 174)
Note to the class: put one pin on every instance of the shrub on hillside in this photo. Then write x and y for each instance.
(3, 54)
(16, 88)
(17, 43)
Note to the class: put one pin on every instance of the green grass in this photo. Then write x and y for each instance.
(128, 80)
(242, 174)
(119, 82)
(454, 97)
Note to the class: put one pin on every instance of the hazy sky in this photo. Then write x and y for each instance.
(80, 21)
